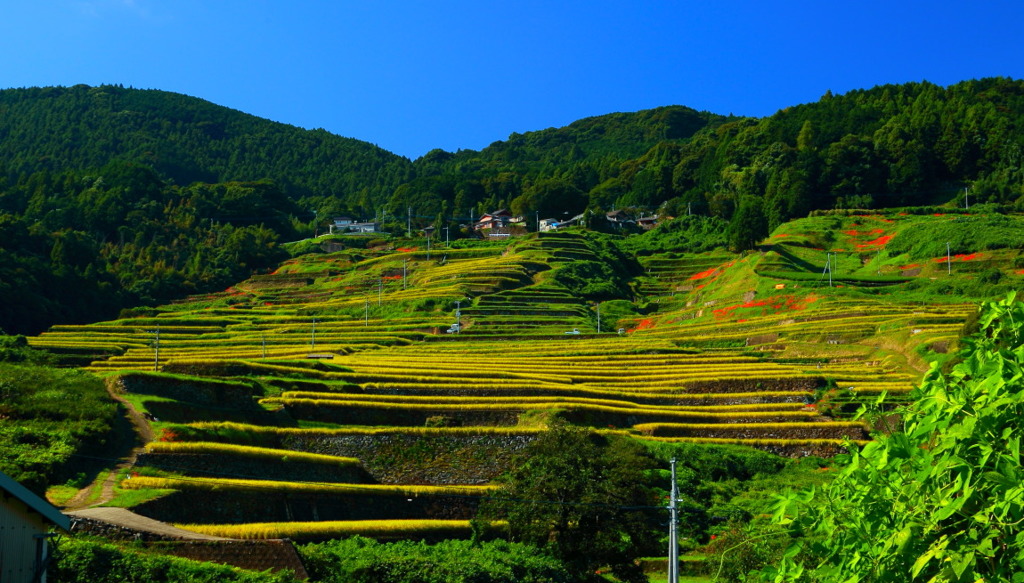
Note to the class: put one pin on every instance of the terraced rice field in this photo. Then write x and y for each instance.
(336, 396)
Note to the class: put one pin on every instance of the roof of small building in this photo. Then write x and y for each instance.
(34, 503)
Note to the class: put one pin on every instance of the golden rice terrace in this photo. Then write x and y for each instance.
(382, 391)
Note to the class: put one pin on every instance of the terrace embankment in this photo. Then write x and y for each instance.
(240, 506)
(177, 399)
(773, 431)
(198, 391)
(343, 413)
(406, 458)
(198, 464)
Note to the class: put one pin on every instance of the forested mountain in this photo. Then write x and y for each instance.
(888, 146)
(552, 171)
(132, 196)
(184, 139)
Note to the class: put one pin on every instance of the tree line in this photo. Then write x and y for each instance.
(131, 196)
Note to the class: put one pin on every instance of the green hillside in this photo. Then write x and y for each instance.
(185, 139)
(334, 396)
(140, 196)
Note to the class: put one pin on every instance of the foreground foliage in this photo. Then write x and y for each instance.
(582, 499)
(46, 417)
(85, 561)
(361, 560)
(941, 499)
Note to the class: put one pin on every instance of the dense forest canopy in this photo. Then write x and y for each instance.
(131, 196)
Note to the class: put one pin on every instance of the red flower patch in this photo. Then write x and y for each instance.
(406, 249)
(879, 242)
(644, 324)
(910, 266)
(167, 435)
(703, 274)
(772, 305)
(713, 273)
(960, 257)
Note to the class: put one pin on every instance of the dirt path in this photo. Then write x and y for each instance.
(144, 435)
(127, 519)
(84, 505)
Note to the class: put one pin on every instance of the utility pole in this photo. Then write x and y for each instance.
(966, 205)
(312, 336)
(380, 290)
(828, 267)
(949, 262)
(366, 311)
(156, 351)
(408, 228)
(673, 530)
(447, 241)
(458, 316)
(537, 217)
(263, 340)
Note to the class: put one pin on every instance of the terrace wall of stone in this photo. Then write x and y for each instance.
(235, 506)
(402, 417)
(184, 412)
(397, 458)
(788, 431)
(196, 391)
(256, 469)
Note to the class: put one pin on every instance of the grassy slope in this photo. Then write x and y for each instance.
(754, 349)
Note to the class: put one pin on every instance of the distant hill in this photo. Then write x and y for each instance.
(185, 139)
(893, 145)
(140, 196)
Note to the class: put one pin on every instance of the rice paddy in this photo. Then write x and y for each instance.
(429, 374)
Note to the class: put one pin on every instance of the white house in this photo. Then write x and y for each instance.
(347, 225)
(549, 225)
(25, 523)
(364, 227)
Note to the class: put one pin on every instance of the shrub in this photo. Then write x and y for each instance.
(80, 560)
(361, 560)
(48, 416)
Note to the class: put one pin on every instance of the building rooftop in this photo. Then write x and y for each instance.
(33, 502)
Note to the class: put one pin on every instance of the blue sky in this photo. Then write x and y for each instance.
(413, 76)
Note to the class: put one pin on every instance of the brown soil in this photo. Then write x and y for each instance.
(144, 435)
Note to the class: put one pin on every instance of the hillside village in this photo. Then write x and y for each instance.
(642, 346)
(306, 403)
